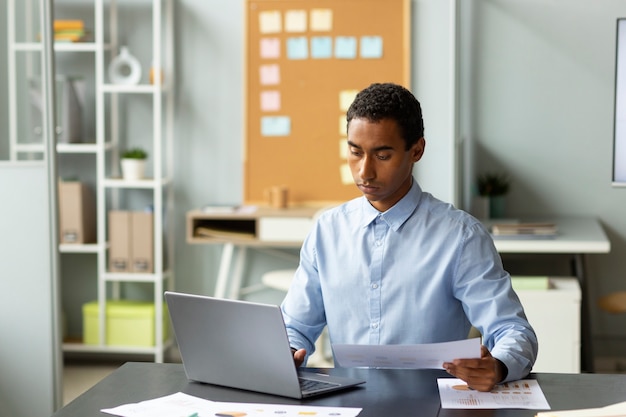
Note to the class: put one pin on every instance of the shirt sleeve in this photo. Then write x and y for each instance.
(303, 306)
(484, 288)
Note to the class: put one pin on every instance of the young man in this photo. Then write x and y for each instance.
(398, 266)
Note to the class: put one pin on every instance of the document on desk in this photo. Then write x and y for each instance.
(421, 356)
(525, 393)
(185, 405)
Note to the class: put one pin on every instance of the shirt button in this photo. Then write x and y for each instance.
(374, 325)
(374, 286)
(378, 243)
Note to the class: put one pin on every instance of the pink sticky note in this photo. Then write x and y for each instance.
(270, 100)
(270, 74)
(270, 48)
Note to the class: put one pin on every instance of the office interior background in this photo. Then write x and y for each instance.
(522, 87)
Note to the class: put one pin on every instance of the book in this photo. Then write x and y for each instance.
(61, 24)
(524, 229)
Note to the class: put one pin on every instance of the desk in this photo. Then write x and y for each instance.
(271, 229)
(387, 392)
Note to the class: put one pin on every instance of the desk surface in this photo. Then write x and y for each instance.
(387, 392)
(575, 235)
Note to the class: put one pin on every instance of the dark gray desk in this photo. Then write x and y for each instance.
(387, 392)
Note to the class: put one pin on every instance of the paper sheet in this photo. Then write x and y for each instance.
(428, 355)
(613, 410)
(183, 405)
(525, 393)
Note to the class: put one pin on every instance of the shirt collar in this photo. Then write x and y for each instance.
(396, 215)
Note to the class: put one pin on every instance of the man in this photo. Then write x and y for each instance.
(398, 266)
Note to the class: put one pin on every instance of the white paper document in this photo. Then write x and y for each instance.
(423, 356)
(184, 405)
(525, 393)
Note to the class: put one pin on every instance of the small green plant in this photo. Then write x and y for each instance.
(134, 153)
(493, 184)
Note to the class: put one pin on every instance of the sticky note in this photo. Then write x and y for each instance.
(297, 48)
(346, 97)
(269, 74)
(345, 47)
(371, 47)
(321, 47)
(343, 128)
(343, 148)
(295, 21)
(270, 100)
(321, 20)
(270, 48)
(345, 174)
(270, 22)
(275, 126)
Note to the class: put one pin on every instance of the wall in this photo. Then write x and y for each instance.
(541, 108)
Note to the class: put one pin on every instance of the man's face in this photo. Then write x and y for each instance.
(381, 166)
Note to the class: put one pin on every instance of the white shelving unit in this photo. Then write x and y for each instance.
(109, 139)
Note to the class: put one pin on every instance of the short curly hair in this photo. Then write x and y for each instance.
(389, 101)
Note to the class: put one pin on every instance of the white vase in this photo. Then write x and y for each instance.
(125, 68)
(133, 169)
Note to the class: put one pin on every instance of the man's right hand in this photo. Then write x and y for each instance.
(298, 356)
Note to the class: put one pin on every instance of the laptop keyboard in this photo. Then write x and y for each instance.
(312, 385)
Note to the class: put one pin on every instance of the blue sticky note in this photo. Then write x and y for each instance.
(275, 126)
(321, 47)
(371, 47)
(345, 47)
(297, 48)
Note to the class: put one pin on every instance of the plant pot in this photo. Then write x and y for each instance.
(133, 169)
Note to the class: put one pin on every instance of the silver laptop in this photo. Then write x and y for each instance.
(244, 345)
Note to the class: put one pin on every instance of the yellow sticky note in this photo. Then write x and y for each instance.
(346, 174)
(343, 148)
(321, 20)
(295, 21)
(343, 128)
(346, 97)
(270, 21)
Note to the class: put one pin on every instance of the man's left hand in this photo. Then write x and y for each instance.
(480, 374)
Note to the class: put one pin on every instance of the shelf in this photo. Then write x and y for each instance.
(58, 47)
(79, 248)
(61, 147)
(144, 183)
(136, 277)
(138, 89)
(81, 347)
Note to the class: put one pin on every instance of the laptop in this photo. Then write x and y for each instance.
(241, 344)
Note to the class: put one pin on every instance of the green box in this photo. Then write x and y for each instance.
(128, 323)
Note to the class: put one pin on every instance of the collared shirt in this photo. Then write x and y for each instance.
(421, 272)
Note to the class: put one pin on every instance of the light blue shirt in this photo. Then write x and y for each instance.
(421, 272)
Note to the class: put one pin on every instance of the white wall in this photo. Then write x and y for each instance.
(541, 108)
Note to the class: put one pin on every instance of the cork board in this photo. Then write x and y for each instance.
(305, 61)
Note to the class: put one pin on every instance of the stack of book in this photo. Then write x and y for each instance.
(69, 31)
(524, 229)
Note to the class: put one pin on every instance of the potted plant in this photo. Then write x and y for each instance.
(134, 163)
(493, 186)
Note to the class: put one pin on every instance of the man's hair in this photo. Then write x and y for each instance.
(389, 101)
